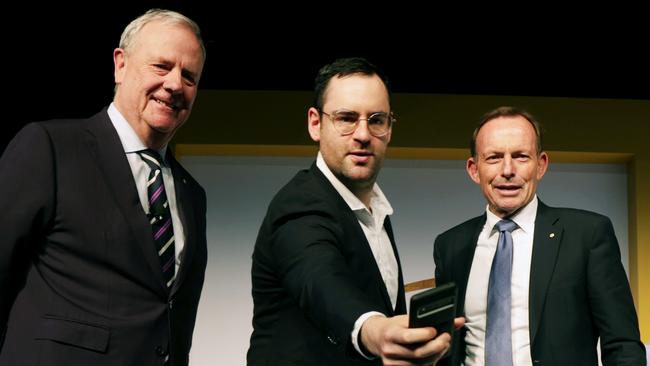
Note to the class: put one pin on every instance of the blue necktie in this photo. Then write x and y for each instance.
(160, 216)
(498, 332)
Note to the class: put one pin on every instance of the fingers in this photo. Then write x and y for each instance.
(401, 345)
(396, 344)
(425, 354)
(459, 322)
(402, 334)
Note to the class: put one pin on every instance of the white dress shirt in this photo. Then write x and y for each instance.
(477, 286)
(132, 144)
(372, 222)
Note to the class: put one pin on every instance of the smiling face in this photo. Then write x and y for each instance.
(507, 165)
(157, 80)
(356, 158)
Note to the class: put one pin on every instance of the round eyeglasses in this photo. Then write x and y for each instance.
(346, 122)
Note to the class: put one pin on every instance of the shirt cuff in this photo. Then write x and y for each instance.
(357, 328)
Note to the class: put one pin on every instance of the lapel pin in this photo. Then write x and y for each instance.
(184, 181)
(551, 235)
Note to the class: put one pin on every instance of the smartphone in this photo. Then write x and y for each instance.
(435, 307)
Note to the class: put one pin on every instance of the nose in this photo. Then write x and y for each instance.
(508, 167)
(362, 133)
(173, 81)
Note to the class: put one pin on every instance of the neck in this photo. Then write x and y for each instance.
(153, 143)
(364, 194)
(150, 137)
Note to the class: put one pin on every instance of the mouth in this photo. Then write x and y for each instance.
(361, 156)
(169, 105)
(508, 189)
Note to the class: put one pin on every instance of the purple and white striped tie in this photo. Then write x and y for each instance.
(160, 216)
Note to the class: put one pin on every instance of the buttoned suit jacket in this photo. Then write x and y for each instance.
(80, 279)
(578, 289)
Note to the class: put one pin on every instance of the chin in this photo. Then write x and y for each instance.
(163, 125)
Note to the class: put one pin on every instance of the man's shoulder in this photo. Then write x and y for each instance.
(55, 132)
(308, 192)
(571, 214)
(305, 186)
(63, 128)
(463, 229)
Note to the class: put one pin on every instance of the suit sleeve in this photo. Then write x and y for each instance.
(314, 272)
(611, 300)
(27, 203)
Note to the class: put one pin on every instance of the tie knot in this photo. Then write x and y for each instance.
(506, 225)
(151, 157)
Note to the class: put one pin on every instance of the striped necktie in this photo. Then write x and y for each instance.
(160, 216)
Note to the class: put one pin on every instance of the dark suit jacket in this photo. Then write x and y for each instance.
(313, 275)
(578, 288)
(80, 279)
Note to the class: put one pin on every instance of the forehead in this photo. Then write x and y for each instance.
(161, 36)
(172, 43)
(356, 92)
(506, 131)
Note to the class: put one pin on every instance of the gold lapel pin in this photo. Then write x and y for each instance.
(551, 235)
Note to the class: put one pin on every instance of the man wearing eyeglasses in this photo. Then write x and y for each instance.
(327, 283)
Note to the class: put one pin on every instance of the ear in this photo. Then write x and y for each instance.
(472, 170)
(314, 123)
(119, 60)
(542, 165)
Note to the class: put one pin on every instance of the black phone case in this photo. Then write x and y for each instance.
(435, 307)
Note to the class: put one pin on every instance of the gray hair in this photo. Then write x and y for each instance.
(166, 16)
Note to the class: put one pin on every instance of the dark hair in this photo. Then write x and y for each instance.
(507, 111)
(343, 67)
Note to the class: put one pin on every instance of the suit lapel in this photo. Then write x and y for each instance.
(186, 209)
(360, 237)
(106, 148)
(546, 245)
(367, 253)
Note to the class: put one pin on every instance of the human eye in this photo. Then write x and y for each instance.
(346, 117)
(523, 157)
(493, 158)
(161, 67)
(189, 78)
(378, 119)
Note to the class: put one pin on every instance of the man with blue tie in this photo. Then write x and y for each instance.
(103, 247)
(538, 285)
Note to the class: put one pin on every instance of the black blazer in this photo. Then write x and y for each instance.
(313, 275)
(578, 289)
(80, 278)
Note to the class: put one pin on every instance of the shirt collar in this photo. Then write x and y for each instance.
(130, 140)
(524, 218)
(378, 200)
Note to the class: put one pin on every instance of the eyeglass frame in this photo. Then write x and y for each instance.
(390, 115)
